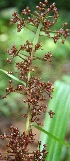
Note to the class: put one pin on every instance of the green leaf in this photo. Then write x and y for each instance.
(36, 38)
(66, 78)
(52, 136)
(56, 126)
(12, 76)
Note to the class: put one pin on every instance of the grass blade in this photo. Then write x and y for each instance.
(52, 136)
(12, 76)
(57, 126)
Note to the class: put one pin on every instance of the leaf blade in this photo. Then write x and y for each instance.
(57, 126)
(52, 136)
(12, 76)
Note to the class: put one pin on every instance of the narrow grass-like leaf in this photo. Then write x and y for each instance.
(52, 136)
(12, 76)
(36, 38)
(60, 104)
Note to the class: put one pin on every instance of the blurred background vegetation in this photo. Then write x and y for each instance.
(58, 68)
(32, 3)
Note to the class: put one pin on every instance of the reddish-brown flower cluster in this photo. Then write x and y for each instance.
(40, 15)
(26, 65)
(47, 16)
(26, 11)
(36, 94)
(51, 113)
(61, 33)
(35, 90)
(18, 147)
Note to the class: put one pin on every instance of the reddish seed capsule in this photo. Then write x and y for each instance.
(10, 81)
(7, 89)
(33, 70)
(4, 96)
(24, 101)
(63, 41)
(7, 59)
(10, 72)
(45, 1)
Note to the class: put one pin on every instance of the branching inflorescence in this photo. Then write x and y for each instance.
(32, 87)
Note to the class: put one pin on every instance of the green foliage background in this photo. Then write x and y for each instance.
(65, 4)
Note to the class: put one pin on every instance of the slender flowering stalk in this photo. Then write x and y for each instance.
(32, 87)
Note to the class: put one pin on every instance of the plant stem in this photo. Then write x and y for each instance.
(35, 41)
(28, 122)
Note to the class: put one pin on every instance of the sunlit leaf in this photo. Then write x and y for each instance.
(60, 104)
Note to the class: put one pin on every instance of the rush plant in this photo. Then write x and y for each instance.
(35, 90)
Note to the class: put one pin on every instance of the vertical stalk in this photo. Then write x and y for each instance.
(28, 122)
(35, 41)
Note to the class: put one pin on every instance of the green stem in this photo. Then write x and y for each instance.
(28, 122)
(35, 41)
(36, 38)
